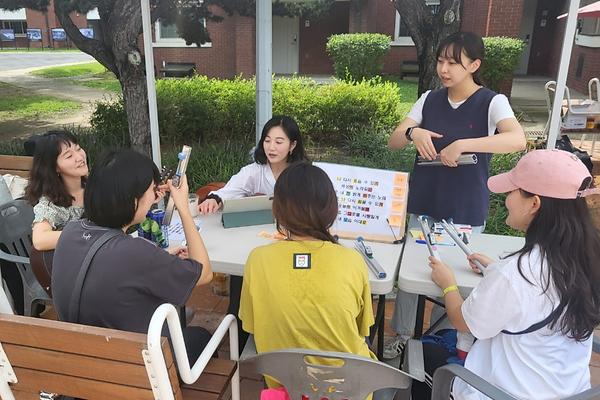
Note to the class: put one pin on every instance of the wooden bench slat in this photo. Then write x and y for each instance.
(196, 395)
(219, 366)
(77, 366)
(77, 339)
(22, 174)
(32, 380)
(23, 163)
(209, 383)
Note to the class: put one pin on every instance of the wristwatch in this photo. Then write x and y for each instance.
(408, 133)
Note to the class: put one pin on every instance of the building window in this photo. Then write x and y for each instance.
(589, 33)
(401, 35)
(19, 27)
(166, 36)
(590, 27)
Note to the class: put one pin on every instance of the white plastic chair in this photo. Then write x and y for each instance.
(352, 377)
(155, 361)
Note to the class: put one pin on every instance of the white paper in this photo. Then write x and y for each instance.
(370, 201)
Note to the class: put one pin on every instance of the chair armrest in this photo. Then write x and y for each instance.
(413, 363)
(14, 259)
(156, 366)
(596, 345)
(444, 376)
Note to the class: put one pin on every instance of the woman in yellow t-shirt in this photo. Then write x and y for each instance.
(307, 291)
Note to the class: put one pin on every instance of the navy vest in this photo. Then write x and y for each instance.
(459, 193)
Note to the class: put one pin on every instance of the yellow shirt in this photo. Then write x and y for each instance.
(324, 307)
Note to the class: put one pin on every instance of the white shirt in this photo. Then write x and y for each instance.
(544, 364)
(498, 110)
(251, 180)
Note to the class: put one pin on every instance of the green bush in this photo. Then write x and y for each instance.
(502, 55)
(207, 110)
(358, 55)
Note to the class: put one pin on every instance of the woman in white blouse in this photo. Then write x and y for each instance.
(280, 144)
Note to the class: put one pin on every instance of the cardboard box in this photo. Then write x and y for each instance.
(571, 121)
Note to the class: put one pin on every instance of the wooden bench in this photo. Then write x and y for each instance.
(409, 68)
(178, 70)
(94, 363)
(16, 165)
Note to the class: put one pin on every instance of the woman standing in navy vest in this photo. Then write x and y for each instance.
(461, 117)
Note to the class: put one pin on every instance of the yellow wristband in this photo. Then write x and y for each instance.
(450, 289)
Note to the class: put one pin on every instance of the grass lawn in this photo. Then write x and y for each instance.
(408, 92)
(70, 70)
(92, 75)
(105, 81)
(16, 103)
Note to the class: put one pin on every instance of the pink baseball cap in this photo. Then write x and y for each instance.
(550, 173)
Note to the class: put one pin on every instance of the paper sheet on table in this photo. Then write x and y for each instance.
(176, 233)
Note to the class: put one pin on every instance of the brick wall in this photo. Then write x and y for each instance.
(474, 16)
(232, 52)
(45, 22)
(591, 68)
(313, 39)
(548, 45)
(505, 18)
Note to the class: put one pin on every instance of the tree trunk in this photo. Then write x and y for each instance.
(117, 45)
(428, 27)
(135, 95)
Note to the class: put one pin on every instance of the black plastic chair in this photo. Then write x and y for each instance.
(15, 246)
(444, 377)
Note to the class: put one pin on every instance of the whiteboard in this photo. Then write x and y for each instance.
(371, 202)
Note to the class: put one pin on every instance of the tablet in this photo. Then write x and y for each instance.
(254, 203)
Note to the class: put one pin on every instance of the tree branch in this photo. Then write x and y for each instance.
(93, 47)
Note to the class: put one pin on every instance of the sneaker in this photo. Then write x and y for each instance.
(395, 347)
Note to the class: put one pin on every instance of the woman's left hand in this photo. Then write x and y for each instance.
(441, 274)
(179, 251)
(450, 154)
(161, 192)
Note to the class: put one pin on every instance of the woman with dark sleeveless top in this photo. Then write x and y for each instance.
(461, 117)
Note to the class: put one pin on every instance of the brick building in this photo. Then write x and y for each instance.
(299, 43)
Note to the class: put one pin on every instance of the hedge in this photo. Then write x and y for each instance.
(358, 56)
(208, 110)
(502, 56)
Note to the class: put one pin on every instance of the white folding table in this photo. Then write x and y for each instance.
(414, 275)
(228, 250)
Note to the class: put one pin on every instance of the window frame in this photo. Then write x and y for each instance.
(173, 42)
(587, 39)
(23, 24)
(407, 40)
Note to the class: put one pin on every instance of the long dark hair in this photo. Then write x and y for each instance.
(469, 42)
(291, 129)
(43, 178)
(304, 202)
(570, 244)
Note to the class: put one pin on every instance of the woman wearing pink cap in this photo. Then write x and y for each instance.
(534, 312)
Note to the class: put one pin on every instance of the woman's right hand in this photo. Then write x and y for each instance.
(483, 259)
(208, 206)
(180, 194)
(422, 138)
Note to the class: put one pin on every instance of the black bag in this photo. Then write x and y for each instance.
(564, 143)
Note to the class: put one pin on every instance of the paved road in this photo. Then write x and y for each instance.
(15, 61)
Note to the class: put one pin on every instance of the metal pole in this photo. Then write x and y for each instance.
(264, 67)
(563, 70)
(150, 84)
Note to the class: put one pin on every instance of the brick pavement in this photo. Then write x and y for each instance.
(210, 308)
